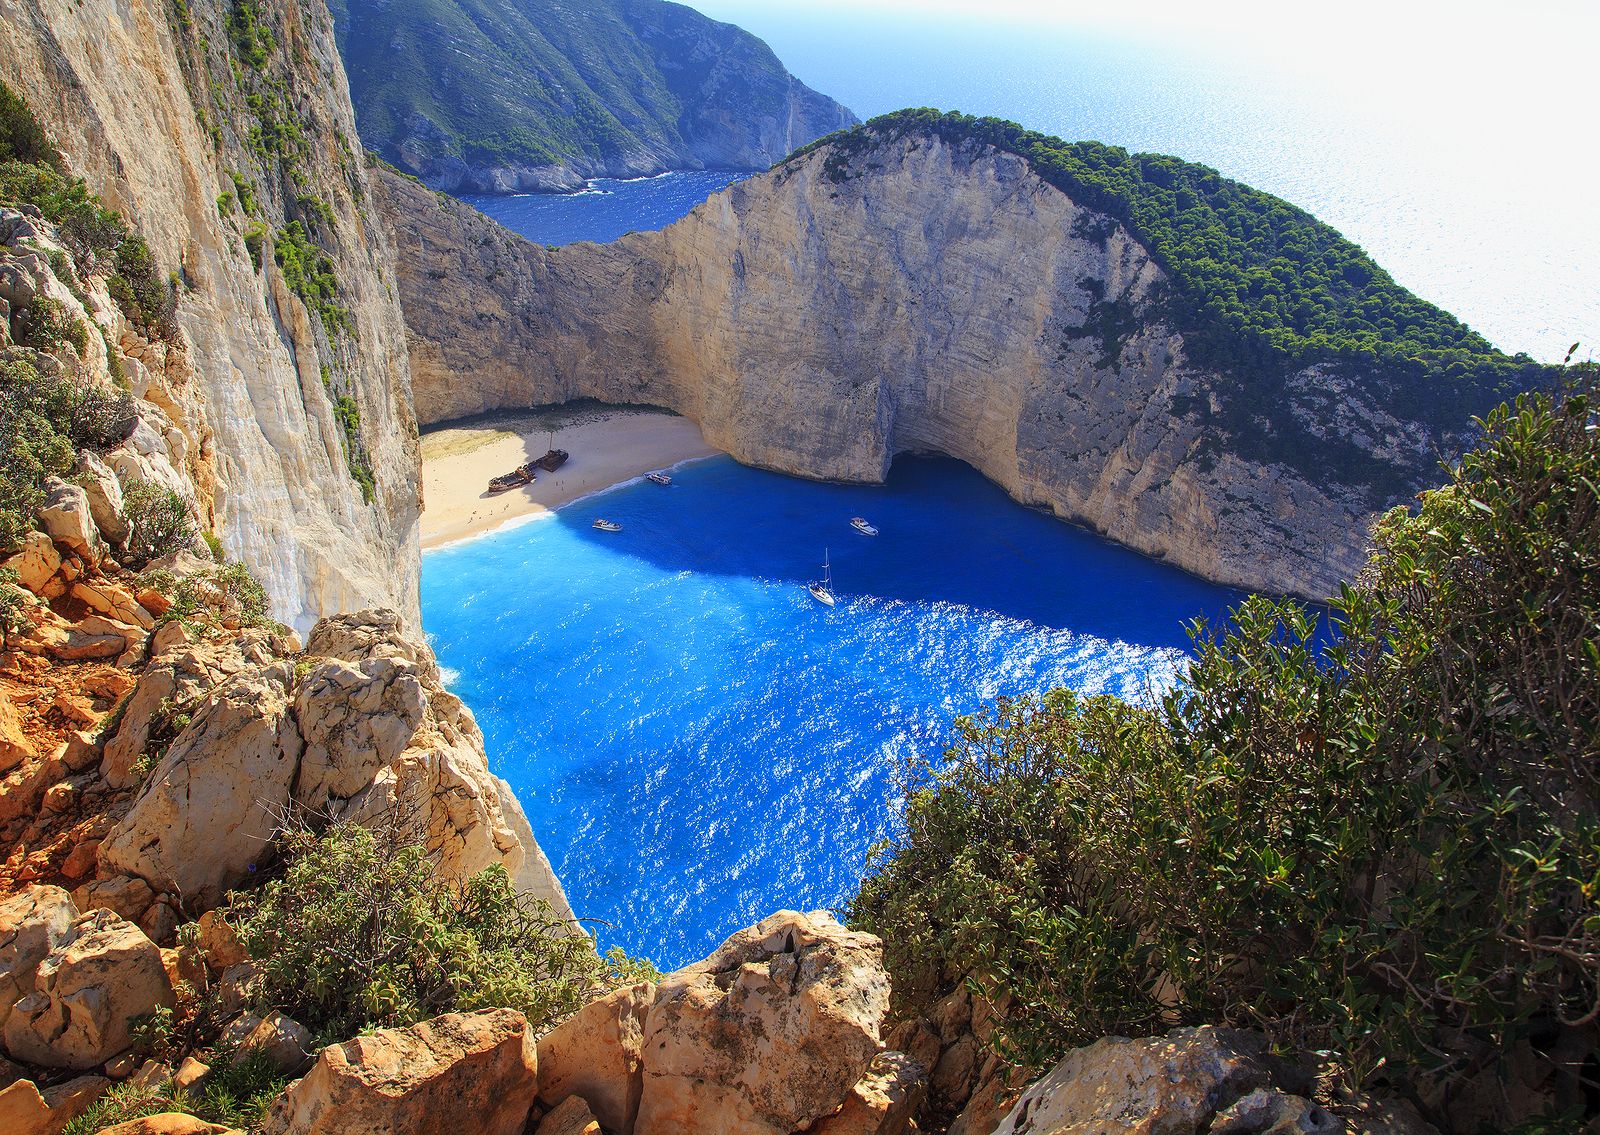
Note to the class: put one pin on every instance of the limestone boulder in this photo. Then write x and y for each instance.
(93, 638)
(1268, 1111)
(126, 896)
(36, 563)
(167, 1123)
(597, 1055)
(284, 1041)
(32, 923)
(113, 601)
(219, 942)
(23, 1110)
(14, 744)
(358, 728)
(1165, 1085)
(356, 718)
(66, 517)
(460, 1072)
(211, 806)
(570, 1118)
(883, 1102)
(462, 820)
(174, 684)
(101, 975)
(104, 492)
(767, 1035)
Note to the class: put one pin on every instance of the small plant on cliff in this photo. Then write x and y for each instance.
(1382, 844)
(44, 420)
(159, 519)
(361, 930)
(22, 139)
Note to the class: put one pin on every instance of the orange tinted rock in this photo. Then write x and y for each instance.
(460, 1072)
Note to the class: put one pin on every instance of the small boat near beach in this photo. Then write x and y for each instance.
(521, 475)
(822, 590)
(658, 479)
(859, 523)
(607, 525)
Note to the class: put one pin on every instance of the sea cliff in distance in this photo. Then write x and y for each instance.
(1193, 368)
(539, 95)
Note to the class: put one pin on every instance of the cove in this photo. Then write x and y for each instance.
(607, 209)
(699, 743)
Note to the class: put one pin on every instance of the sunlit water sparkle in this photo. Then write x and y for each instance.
(698, 743)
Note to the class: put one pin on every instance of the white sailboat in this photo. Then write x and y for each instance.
(822, 591)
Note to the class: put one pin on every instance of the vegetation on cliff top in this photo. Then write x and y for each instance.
(1381, 844)
(1260, 288)
(537, 83)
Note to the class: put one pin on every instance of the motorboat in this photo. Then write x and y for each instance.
(859, 523)
(658, 479)
(607, 525)
(822, 590)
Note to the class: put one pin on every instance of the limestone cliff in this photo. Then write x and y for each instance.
(216, 130)
(942, 298)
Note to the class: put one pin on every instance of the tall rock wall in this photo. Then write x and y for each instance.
(942, 298)
(213, 133)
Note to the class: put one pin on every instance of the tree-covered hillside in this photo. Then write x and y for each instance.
(1262, 288)
(536, 93)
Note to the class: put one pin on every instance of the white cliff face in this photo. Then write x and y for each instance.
(244, 382)
(935, 299)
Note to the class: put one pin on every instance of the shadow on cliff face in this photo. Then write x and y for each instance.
(947, 535)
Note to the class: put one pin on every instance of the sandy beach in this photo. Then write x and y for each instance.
(608, 446)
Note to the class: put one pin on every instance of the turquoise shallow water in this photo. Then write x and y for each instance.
(698, 743)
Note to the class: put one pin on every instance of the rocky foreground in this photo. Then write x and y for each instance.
(153, 748)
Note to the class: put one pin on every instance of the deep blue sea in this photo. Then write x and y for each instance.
(607, 209)
(699, 743)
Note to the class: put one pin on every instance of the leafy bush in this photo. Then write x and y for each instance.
(149, 302)
(14, 604)
(360, 931)
(44, 420)
(1381, 843)
(159, 520)
(45, 325)
(227, 597)
(22, 139)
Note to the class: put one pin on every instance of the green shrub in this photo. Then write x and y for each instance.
(255, 238)
(234, 1095)
(309, 273)
(1382, 844)
(45, 325)
(214, 543)
(360, 931)
(34, 414)
(22, 139)
(14, 605)
(159, 519)
(90, 231)
(149, 301)
(229, 596)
